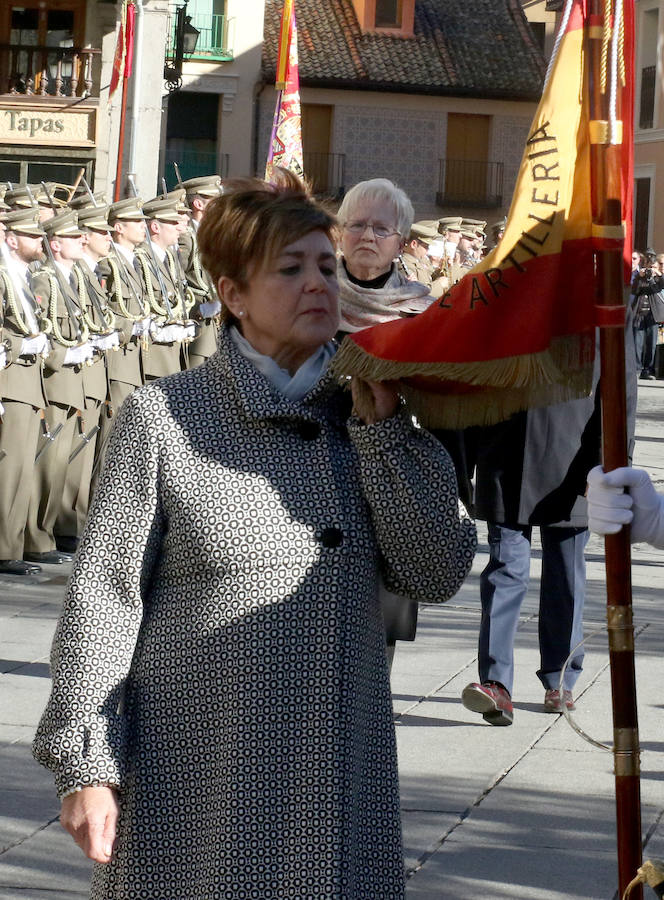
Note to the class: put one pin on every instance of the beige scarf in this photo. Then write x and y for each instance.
(362, 306)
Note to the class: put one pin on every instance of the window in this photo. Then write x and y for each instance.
(191, 135)
(641, 213)
(539, 33)
(648, 64)
(388, 13)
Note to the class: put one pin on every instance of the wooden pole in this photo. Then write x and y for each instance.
(81, 173)
(608, 214)
(117, 195)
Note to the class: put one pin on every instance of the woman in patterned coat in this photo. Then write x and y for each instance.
(220, 722)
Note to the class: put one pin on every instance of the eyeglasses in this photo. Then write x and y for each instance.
(380, 232)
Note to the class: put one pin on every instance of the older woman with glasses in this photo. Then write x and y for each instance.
(376, 218)
(220, 722)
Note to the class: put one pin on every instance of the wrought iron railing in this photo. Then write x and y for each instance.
(647, 100)
(327, 172)
(47, 71)
(215, 38)
(468, 182)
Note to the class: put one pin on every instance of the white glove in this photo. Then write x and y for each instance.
(105, 341)
(189, 331)
(76, 355)
(166, 334)
(3, 356)
(35, 346)
(2, 410)
(141, 327)
(609, 508)
(208, 310)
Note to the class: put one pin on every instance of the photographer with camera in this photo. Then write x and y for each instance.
(648, 305)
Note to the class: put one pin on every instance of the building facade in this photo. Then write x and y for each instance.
(649, 126)
(408, 91)
(400, 88)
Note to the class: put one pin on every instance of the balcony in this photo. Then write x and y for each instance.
(647, 99)
(214, 41)
(40, 71)
(327, 172)
(470, 183)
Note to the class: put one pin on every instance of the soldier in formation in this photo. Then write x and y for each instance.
(95, 300)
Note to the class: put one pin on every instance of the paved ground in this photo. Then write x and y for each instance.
(520, 812)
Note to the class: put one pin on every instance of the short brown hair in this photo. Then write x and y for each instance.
(253, 220)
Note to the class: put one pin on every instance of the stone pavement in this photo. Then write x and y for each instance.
(519, 812)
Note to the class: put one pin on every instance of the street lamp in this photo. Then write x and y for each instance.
(186, 37)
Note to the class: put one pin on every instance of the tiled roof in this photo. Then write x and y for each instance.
(473, 48)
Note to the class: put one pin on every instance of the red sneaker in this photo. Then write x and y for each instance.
(553, 704)
(491, 699)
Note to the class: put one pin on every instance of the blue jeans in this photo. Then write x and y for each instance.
(645, 343)
(503, 587)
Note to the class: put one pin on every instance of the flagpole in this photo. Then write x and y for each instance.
(117, 194)
(607, 222)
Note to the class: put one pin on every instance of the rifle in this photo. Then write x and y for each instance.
(93, 296)
(155, 262)
(119, 258)
(74, 315)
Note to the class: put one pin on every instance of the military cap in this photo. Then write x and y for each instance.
(129, 209)
(24, 221)
(499, 226)
(163, 209)
(479, 224)
(20, 198)
(449, 223)
(94, 217)
(424, 231)
(62, 225)
(177, 195)
(204, 186)
(82, 200)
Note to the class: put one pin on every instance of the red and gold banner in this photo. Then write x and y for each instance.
(124, 49)
(286, 139)
(517, 330)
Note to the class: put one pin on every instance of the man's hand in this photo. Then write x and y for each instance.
(90, 816)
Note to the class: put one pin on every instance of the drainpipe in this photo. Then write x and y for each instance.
(258, 89)
(136, 88)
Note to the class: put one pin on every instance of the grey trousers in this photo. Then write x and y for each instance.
(19, 437)
(503, 586)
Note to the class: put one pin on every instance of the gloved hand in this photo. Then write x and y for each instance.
(77, 355)
(166, 334)
(105, 341)
(141, 327)
(3, 356)
(609, 508)
(34, 346)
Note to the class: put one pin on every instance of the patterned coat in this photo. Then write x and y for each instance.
(221, 654)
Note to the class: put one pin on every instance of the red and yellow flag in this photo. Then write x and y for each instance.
(286, 139)
(124, 49)
(517, 331)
